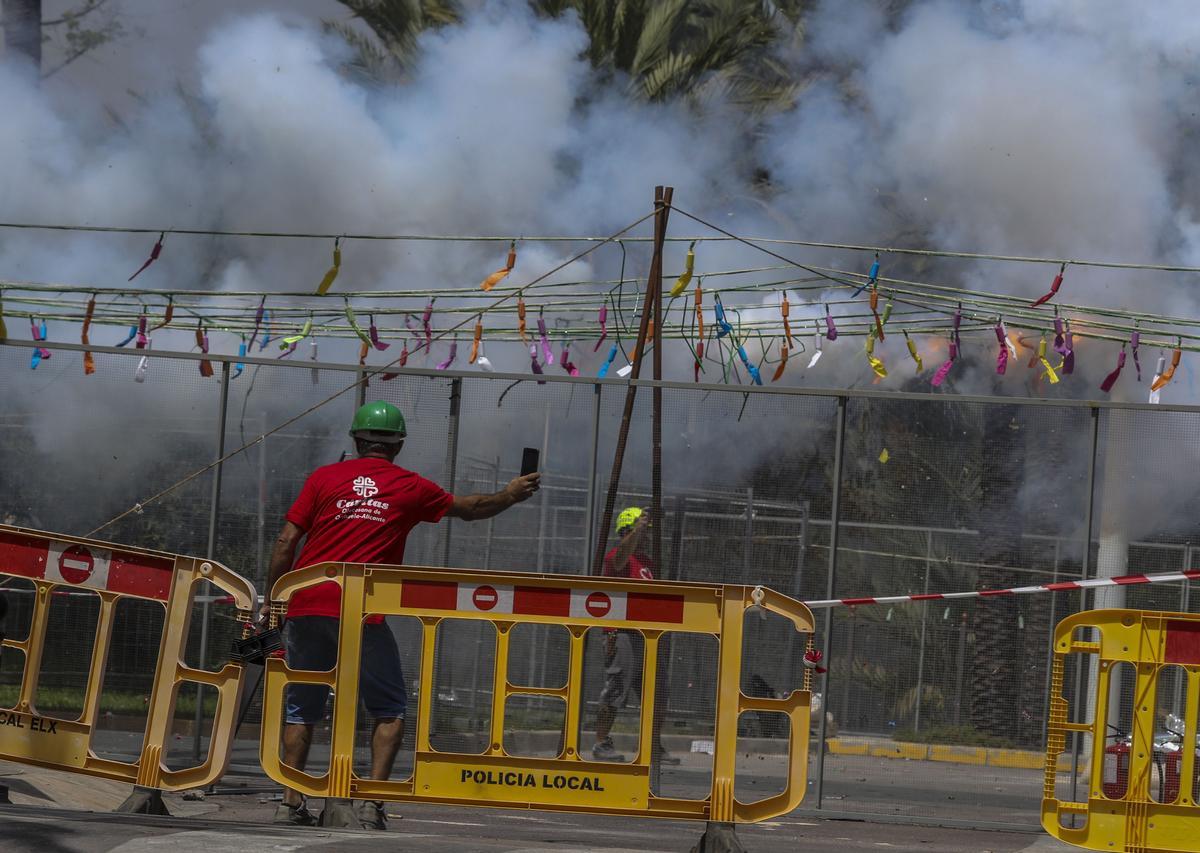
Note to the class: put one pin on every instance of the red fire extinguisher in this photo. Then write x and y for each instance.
(1115, 779)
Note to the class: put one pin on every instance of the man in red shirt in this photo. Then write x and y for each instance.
(622, 667)
(359, 511)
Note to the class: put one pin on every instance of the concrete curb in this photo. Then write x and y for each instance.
(977, 756)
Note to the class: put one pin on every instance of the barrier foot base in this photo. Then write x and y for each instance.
(719, 838)
(339, 813)
(143, 801)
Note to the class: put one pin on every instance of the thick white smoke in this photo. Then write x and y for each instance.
(1039, 128)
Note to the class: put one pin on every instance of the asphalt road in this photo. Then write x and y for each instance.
(431, 829)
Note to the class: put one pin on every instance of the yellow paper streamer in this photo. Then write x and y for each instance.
(496, 277)
(291, 340)
(332, 272)
(3, 328)
(876, 364)
(884, 456)
(358, 330)
(689, 265)
(1168, 374)
(1050, 374)
(912, 350)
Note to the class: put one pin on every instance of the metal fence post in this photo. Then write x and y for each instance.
(589, 545)
(924, 621)
(214, 514)
(452, 458)
(1080, 676)
(830, 585)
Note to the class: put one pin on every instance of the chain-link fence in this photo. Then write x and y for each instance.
(929, 709)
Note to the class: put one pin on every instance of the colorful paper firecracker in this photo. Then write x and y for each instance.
(816, 356)
(602, 319)
(912, 351)
(374, 334)
(1110, 380)
(154, 253)
(496, 277)
(89, 360)
(332, 272)
(478, 336)
(689, 266)
(612, 354)
(1054, 286)
(1164, 377)
(831, 331)
(453, 355)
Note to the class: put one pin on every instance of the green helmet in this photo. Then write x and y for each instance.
(379, 421)
(628, 517)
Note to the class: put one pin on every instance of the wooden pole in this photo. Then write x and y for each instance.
(662, 200)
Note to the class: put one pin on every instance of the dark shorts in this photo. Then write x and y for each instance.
(312, 643)
(622, 671)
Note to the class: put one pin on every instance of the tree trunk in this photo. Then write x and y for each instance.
(995, 673)
(23, 29)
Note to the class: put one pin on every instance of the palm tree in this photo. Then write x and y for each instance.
(388, 53)
(665, 49)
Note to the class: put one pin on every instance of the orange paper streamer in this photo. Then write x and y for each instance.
(1168, 374)
(783, 354)
(167, 317)
(89, 361)
(785, 310)
(521, 320)
(475, 342)
(496, 277)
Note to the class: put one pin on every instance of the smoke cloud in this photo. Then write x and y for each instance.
(1055, 127)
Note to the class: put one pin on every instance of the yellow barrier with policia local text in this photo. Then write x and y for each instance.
(570, 781)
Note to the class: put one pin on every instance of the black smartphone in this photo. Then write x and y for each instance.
(529, 460)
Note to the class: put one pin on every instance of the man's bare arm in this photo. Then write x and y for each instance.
(283, 554)
(478, 507)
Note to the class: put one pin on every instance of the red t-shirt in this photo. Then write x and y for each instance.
(358, 511)
(638, 568)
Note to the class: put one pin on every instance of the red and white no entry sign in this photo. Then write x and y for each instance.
(76, 563)
(598, 604)
(485, 597)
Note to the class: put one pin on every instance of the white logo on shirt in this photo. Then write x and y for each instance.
(365, 487)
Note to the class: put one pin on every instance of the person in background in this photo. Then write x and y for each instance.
(359, 511)
(623, 668)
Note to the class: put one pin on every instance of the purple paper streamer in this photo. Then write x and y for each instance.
(374, 333)
(453, 355)
(547, 354)
(141, 332)
(1002, 355)
(603, 327)
(830, 329)
(537, 368)
(940, 376)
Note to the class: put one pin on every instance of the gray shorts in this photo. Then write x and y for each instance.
(622, 671)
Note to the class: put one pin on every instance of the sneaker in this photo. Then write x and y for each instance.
(664, 757)
(605, 751)
(371, 814)
(294, 815)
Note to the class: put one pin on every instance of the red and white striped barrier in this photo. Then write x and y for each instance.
(1091, 583)
(76, 565)
(563, 602)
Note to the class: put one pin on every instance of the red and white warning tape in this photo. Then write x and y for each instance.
(1122, 580)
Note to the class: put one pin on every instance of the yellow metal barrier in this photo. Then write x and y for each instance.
(52, 562)
(1120, 813)
(569, 782)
